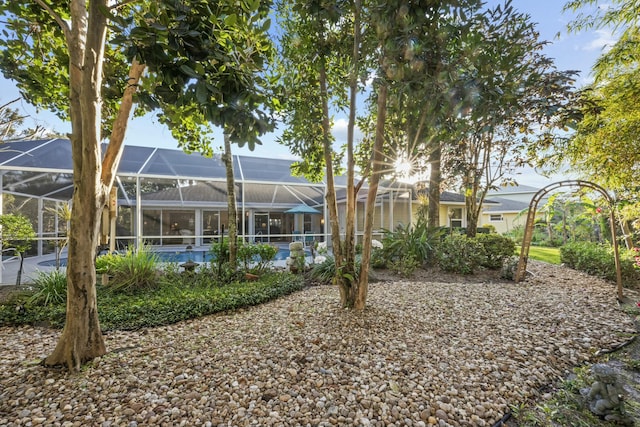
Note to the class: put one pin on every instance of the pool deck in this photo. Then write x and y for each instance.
(30, 269)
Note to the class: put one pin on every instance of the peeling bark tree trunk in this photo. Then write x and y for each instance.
(376, 168)
(81, 338)
(344, 284)
(231, 201)
(349, 250)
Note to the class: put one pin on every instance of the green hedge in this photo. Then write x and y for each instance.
(163, 306)
(598, 260)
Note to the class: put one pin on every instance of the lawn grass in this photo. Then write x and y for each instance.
(540, 253)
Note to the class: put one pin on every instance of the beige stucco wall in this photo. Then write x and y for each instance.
(509, 221)
(443, 213)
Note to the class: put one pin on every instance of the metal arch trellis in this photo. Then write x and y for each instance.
(528, 231)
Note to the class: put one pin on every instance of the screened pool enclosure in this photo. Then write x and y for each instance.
(169, 198)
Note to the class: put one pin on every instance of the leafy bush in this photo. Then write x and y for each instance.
(495, 249)
(509, 266)
(325, 271)
(405, 265)
(131, 272)
(255, 257)
(166, 304)
(490, 227)
(49, 288)
(459, 254)
(265, 254)
(598, 260)
(220, 250)
(220, 266)
(377, 258)
(571, 252)
(411, 244)
(592, 258)
(173, 276)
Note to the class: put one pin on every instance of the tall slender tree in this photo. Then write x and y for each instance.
(323, 42)
(513, 93)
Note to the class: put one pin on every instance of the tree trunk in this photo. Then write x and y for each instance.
(349, 250)
(376, 161)
(116, 141)
(81, 338)
(435, 179)
(470, 204)
(19, 276)
(231, 202)
(344, 285)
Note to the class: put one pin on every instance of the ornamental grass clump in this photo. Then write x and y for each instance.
(134, 271)
(49, 288)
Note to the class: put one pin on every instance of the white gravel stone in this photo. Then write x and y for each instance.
(427, 351)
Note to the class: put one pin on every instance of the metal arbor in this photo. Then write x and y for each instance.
(531, 215)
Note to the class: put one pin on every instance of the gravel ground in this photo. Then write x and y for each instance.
(427, 351)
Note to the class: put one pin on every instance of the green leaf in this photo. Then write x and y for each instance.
(231, 20)
(202, 94)
(189, 71)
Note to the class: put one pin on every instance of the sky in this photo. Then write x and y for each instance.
(570, 51)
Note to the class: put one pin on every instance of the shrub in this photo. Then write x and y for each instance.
(405, 265)
(49, 288)
(203, 276)
(570, 253)
(325, 271)
(377, 258)
(495, 249)
(459, 254)
(509, 266)
(592, 258)
(598, 260)
(418, 242)
(255, 257)
(220, 266)
(131, 272)
(490, 227)
(220, 251)
(265, 253)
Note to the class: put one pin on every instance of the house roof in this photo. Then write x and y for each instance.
(502, 205)
(44, 168)
(514, 189)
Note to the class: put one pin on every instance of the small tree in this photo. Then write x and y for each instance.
(63, 212)
(17, 232)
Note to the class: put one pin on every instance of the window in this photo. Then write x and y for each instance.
(496, 218)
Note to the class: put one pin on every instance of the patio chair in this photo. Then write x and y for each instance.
(309, 239)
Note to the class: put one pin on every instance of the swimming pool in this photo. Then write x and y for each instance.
(180, 256)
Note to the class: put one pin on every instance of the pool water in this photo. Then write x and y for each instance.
(180, 257)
